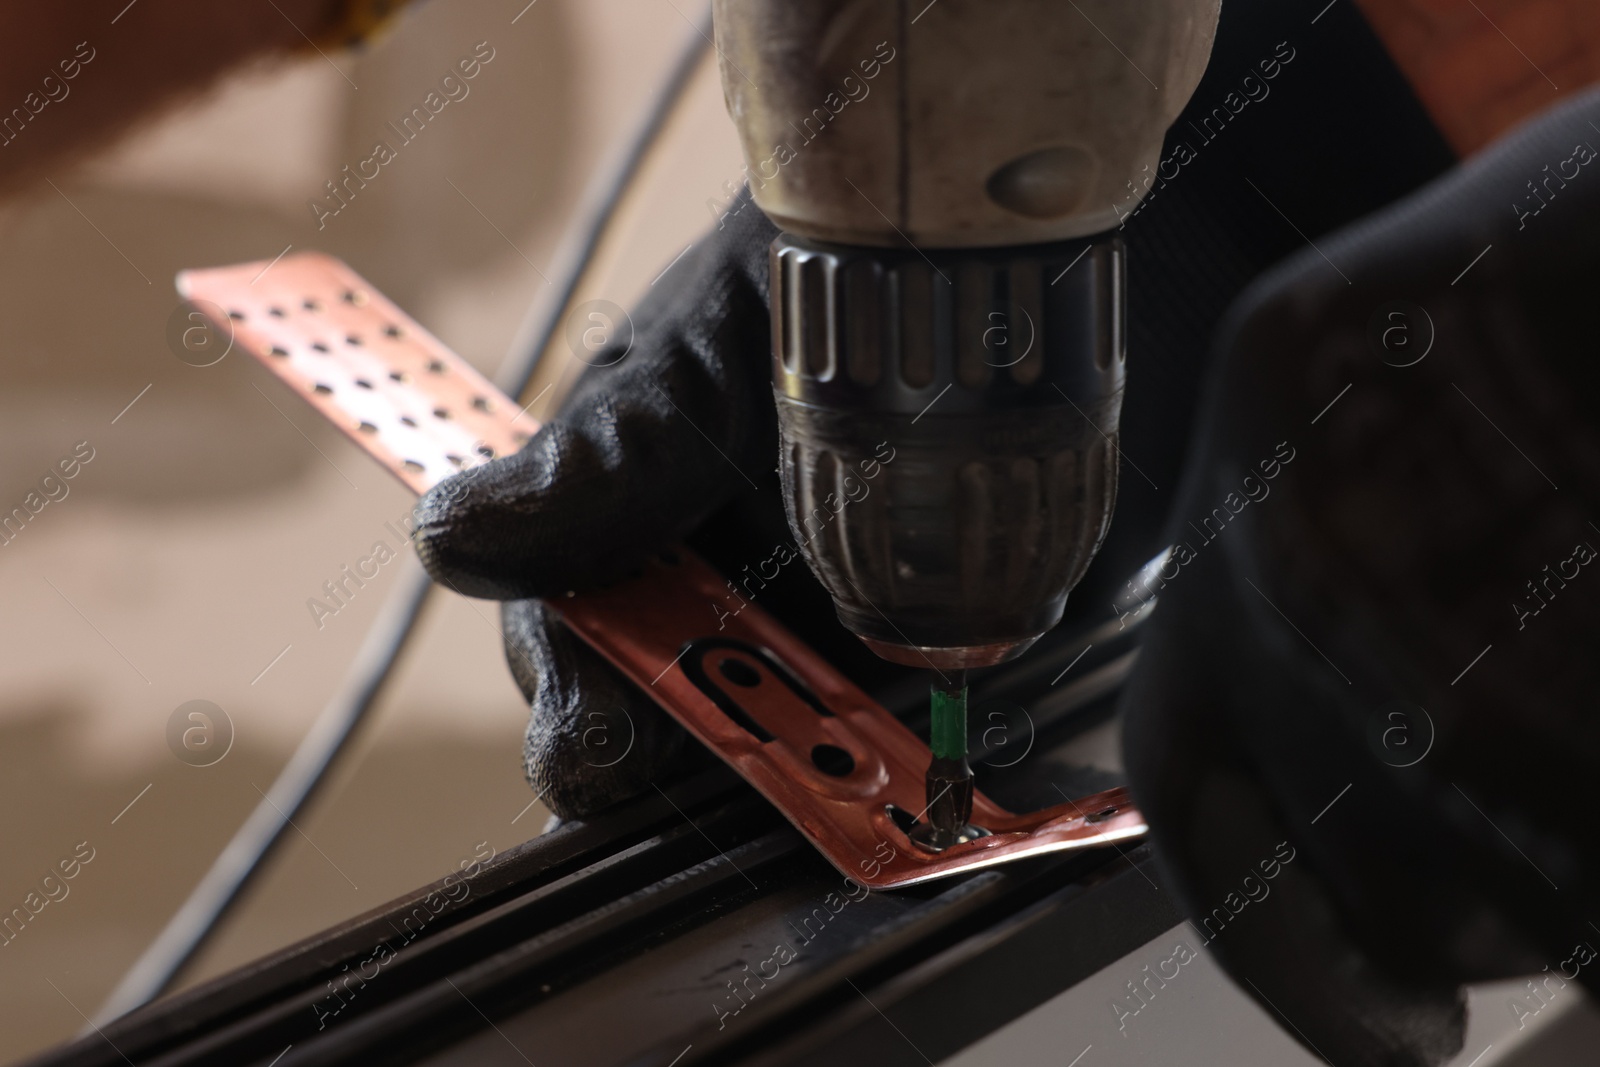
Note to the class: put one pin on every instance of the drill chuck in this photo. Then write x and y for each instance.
(949, 427)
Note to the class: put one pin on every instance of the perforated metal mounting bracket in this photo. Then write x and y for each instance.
(745, 687)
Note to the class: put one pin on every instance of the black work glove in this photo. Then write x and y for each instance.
(655, 437)
(1375, 658)
(670, 428)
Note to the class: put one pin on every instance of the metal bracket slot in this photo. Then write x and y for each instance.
(832, 760)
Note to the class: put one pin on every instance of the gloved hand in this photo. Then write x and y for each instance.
(1372, 652)
(673, 436)
(649, 444)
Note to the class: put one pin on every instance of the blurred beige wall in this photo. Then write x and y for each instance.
(179, 565)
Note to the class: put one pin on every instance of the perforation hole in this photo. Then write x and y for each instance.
(397, 375)
(319, 347)
(281, 353)
(236, 316)
(363, 383)
(413, 466)
(311, 303)
(481, 403)
(367, 427)
(355, 297)
(391, 331)
(833, 761)
(441, 413)
(739, 673)
(455, 460)
(409, 421)
(321, 390)
(485, 451)
(353, 341)
(275, 312)
(436, 366)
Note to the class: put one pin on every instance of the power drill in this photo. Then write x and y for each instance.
(948, 303)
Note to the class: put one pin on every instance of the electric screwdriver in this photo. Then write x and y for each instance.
(948, 303)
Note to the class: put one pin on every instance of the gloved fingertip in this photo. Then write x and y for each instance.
(451, 531)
